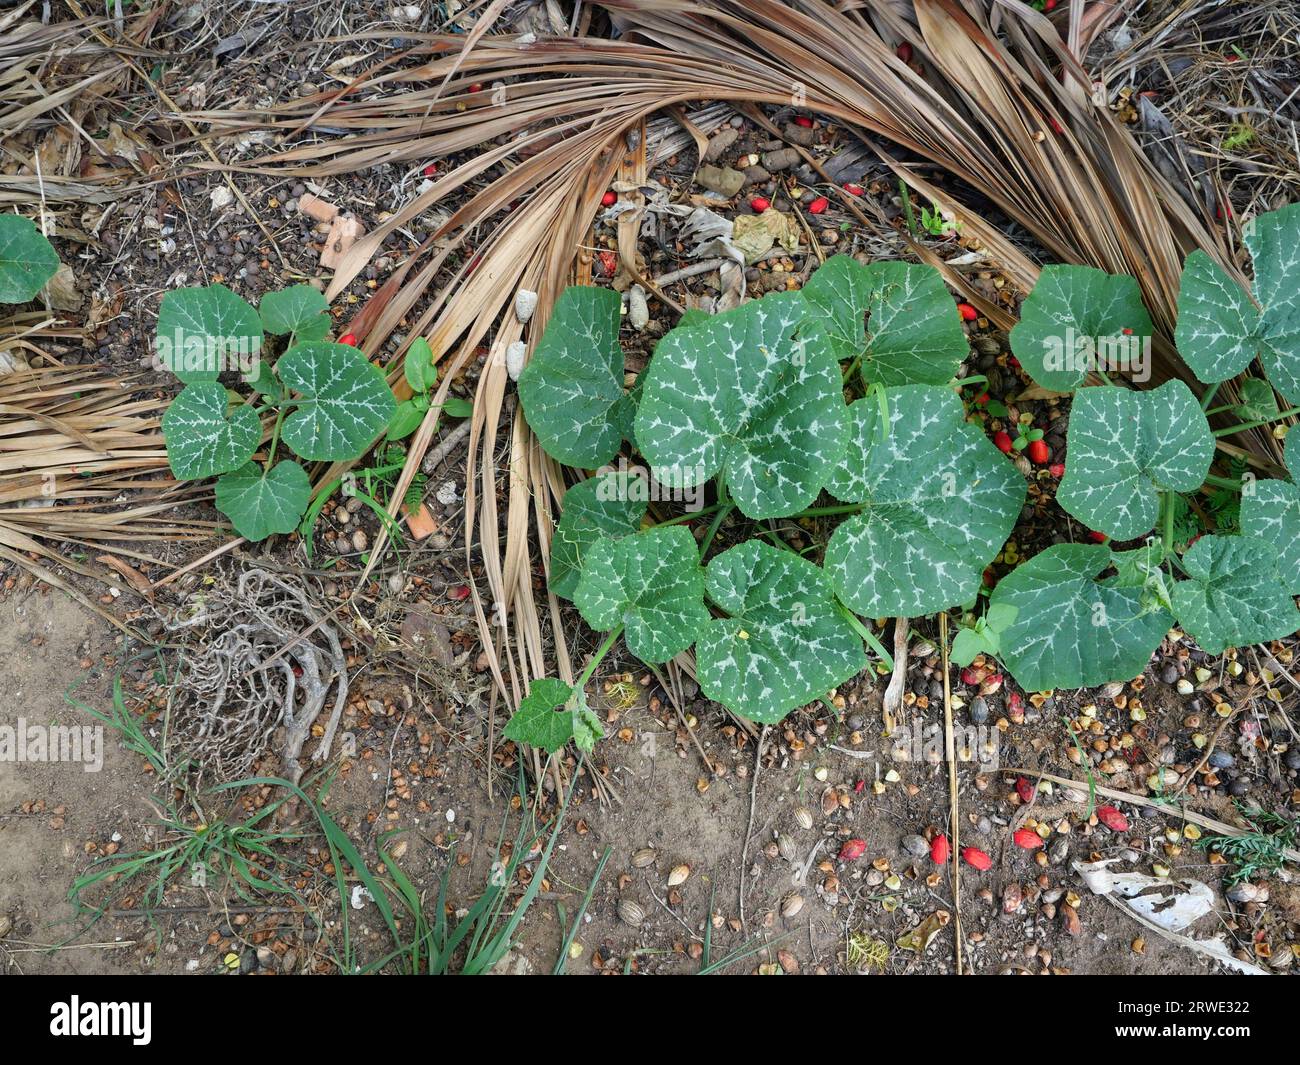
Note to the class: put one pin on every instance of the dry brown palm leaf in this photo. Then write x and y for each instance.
(995, 108)
(82, 462)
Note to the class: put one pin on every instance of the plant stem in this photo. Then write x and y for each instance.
(725, 507)
(595, 659)
(1167, 536)
(275, 437)
(1222, 482)
(868, 637)
(689, 517)
(821, 512)
(1256, 424)
(906, 197)
(1208, 398)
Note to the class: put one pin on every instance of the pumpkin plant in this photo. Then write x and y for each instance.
(846, 389)
(325, 401)
(752, 402)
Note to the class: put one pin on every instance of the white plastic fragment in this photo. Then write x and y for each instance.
(515, 358)
(1172, 904)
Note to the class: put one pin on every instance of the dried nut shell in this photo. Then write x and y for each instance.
(791, 904)
(787, 848)
(679, 875)
(643, 858)
(631, 913)
(803, 817)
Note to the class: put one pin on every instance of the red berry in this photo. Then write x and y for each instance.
(1127, 331)
(1002, 440)
(1057, 470)
(939, 849)
(905, 52)
(608, 262)
(853, 189)
(1038, 452)
(1112, 818)
(976, 858)
(476, 87)
(461, 591)
(1029, 840)
(853, 849)
(1025, 790)
(1049, 5)
(819, 205)
(609, 199)
(803, 120)
(430, 170)
(759, 204)
(350, 339)
(1097, 537)
(967, 312)
(982, 399)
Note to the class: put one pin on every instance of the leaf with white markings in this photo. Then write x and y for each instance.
(1274, 243)
(1235, 596)
(1216, 321)
(344, 401)
(1270, 511)
(739, 395)
(1078, 319)
(607, 505)
(1071, 630)
(27, 259)
(572, 388)
(652, 584)
(1125, 447)
(260, 502)
(898, 317)
(204, 437)
(205, 331)
(1258, 403)
(785, 641)
(299, 310)
(940, 499)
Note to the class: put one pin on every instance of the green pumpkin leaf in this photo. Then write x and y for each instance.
(572, 388)
(1073, 631)
(1274, 243)
(1141, 568)
(607, 505)
(1258, 403)
(204, 436)
(652, 584)
(1216, 321)
(785, 641)
(1075, 321)
(344, 401)
(27, 259)
(259, 503)
(203, 332)
(1235, 597)
(418, 367)
(543, 719)
(899, 317)
(1270, 511)
(940, 499)
(299, 310)
(1125, 447)
(739, 395)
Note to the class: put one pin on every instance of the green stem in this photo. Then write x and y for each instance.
(1167, 536)
(868, 636)
(821, 512)
(595, 660)
(681, 518)
(906, 197)
(1222, 482)
(275, 437)
(1208, 398)
(1256, 424)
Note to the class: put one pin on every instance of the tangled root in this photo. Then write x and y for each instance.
(229, 697)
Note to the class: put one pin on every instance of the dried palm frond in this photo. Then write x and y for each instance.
(82, 462)
(999, 105)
